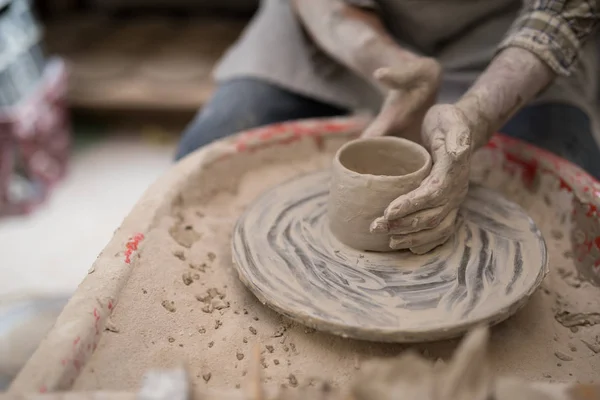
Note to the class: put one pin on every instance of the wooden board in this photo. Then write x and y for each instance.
(141, 63)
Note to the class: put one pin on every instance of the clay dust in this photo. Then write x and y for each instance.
(212, 323)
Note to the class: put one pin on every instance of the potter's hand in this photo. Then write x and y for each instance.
(426, 217)
(411, 90)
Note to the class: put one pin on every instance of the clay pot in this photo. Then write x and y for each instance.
(367, 175)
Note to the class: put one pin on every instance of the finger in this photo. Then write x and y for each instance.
(423, 238)
(384, 122)
(411, 74)
(458, 142)
(379, 225)
(421, 220)
(419, 250)
(428, 195)
(380, 126)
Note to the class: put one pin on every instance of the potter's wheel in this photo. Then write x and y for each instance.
(287, 257)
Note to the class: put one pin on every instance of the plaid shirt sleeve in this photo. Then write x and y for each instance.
(554, 30)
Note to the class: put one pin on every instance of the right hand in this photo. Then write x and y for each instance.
(412, 90)
(426, 217)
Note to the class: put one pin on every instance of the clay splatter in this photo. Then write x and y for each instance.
(184, 234)
(187, 278)
(562, 356)
(213, 299)
(169, 305)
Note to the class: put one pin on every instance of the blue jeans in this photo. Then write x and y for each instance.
(246, 103)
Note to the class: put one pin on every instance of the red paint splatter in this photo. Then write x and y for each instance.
(529, 167)
(597, 241)
(96, 320)
(297, 130)
(43, 389)
(592, 210)
(63, 361)
(564, 185)
(110, 305)
(77, 365)
(319, 142)
(132, 245)
(76, 341)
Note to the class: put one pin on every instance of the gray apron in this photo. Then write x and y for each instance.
(461, 34)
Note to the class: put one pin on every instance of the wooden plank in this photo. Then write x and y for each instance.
(157, 63)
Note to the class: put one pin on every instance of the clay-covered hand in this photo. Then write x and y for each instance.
(411, 90)
(426, 217)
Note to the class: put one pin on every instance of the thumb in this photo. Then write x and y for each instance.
(380, 126)
(458, 141)
(399, 78)
(383, 124)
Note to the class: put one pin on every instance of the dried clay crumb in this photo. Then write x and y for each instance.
(245, 340)
(276, 361)
(280, 331)
(111, 327)
(252, 330)
(293, 381)
(179, 254)
(211, 344)
(239, 356)
(213, 300)
(211, 256)
(562, 356)
(184, 235)
(169, 305)
(199, 267)
(207, 377)
(171, 339)
(218, 323)
(187, 278)
(594, 347)
(270, 348)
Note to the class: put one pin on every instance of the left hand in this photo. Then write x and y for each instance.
(426, 217)
(411, 90)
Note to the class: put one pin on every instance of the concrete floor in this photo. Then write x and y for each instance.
(45, 255)
(50, 251)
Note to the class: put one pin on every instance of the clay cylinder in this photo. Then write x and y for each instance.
(367, 175)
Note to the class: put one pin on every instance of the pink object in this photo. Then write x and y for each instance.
(37, 133)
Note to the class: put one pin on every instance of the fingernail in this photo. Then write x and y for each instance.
(379, 225)
(394, 213)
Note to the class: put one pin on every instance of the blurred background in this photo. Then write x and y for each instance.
(93, 96)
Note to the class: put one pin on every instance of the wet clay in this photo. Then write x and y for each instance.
(557, 317)
(288, 257)
(367, 175)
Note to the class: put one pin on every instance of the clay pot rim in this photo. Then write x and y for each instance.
(391, 139)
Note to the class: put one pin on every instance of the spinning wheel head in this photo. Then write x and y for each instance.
(286, 254)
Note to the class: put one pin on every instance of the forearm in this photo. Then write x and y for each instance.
(543, 43)
(513, 78)
(353, 36)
